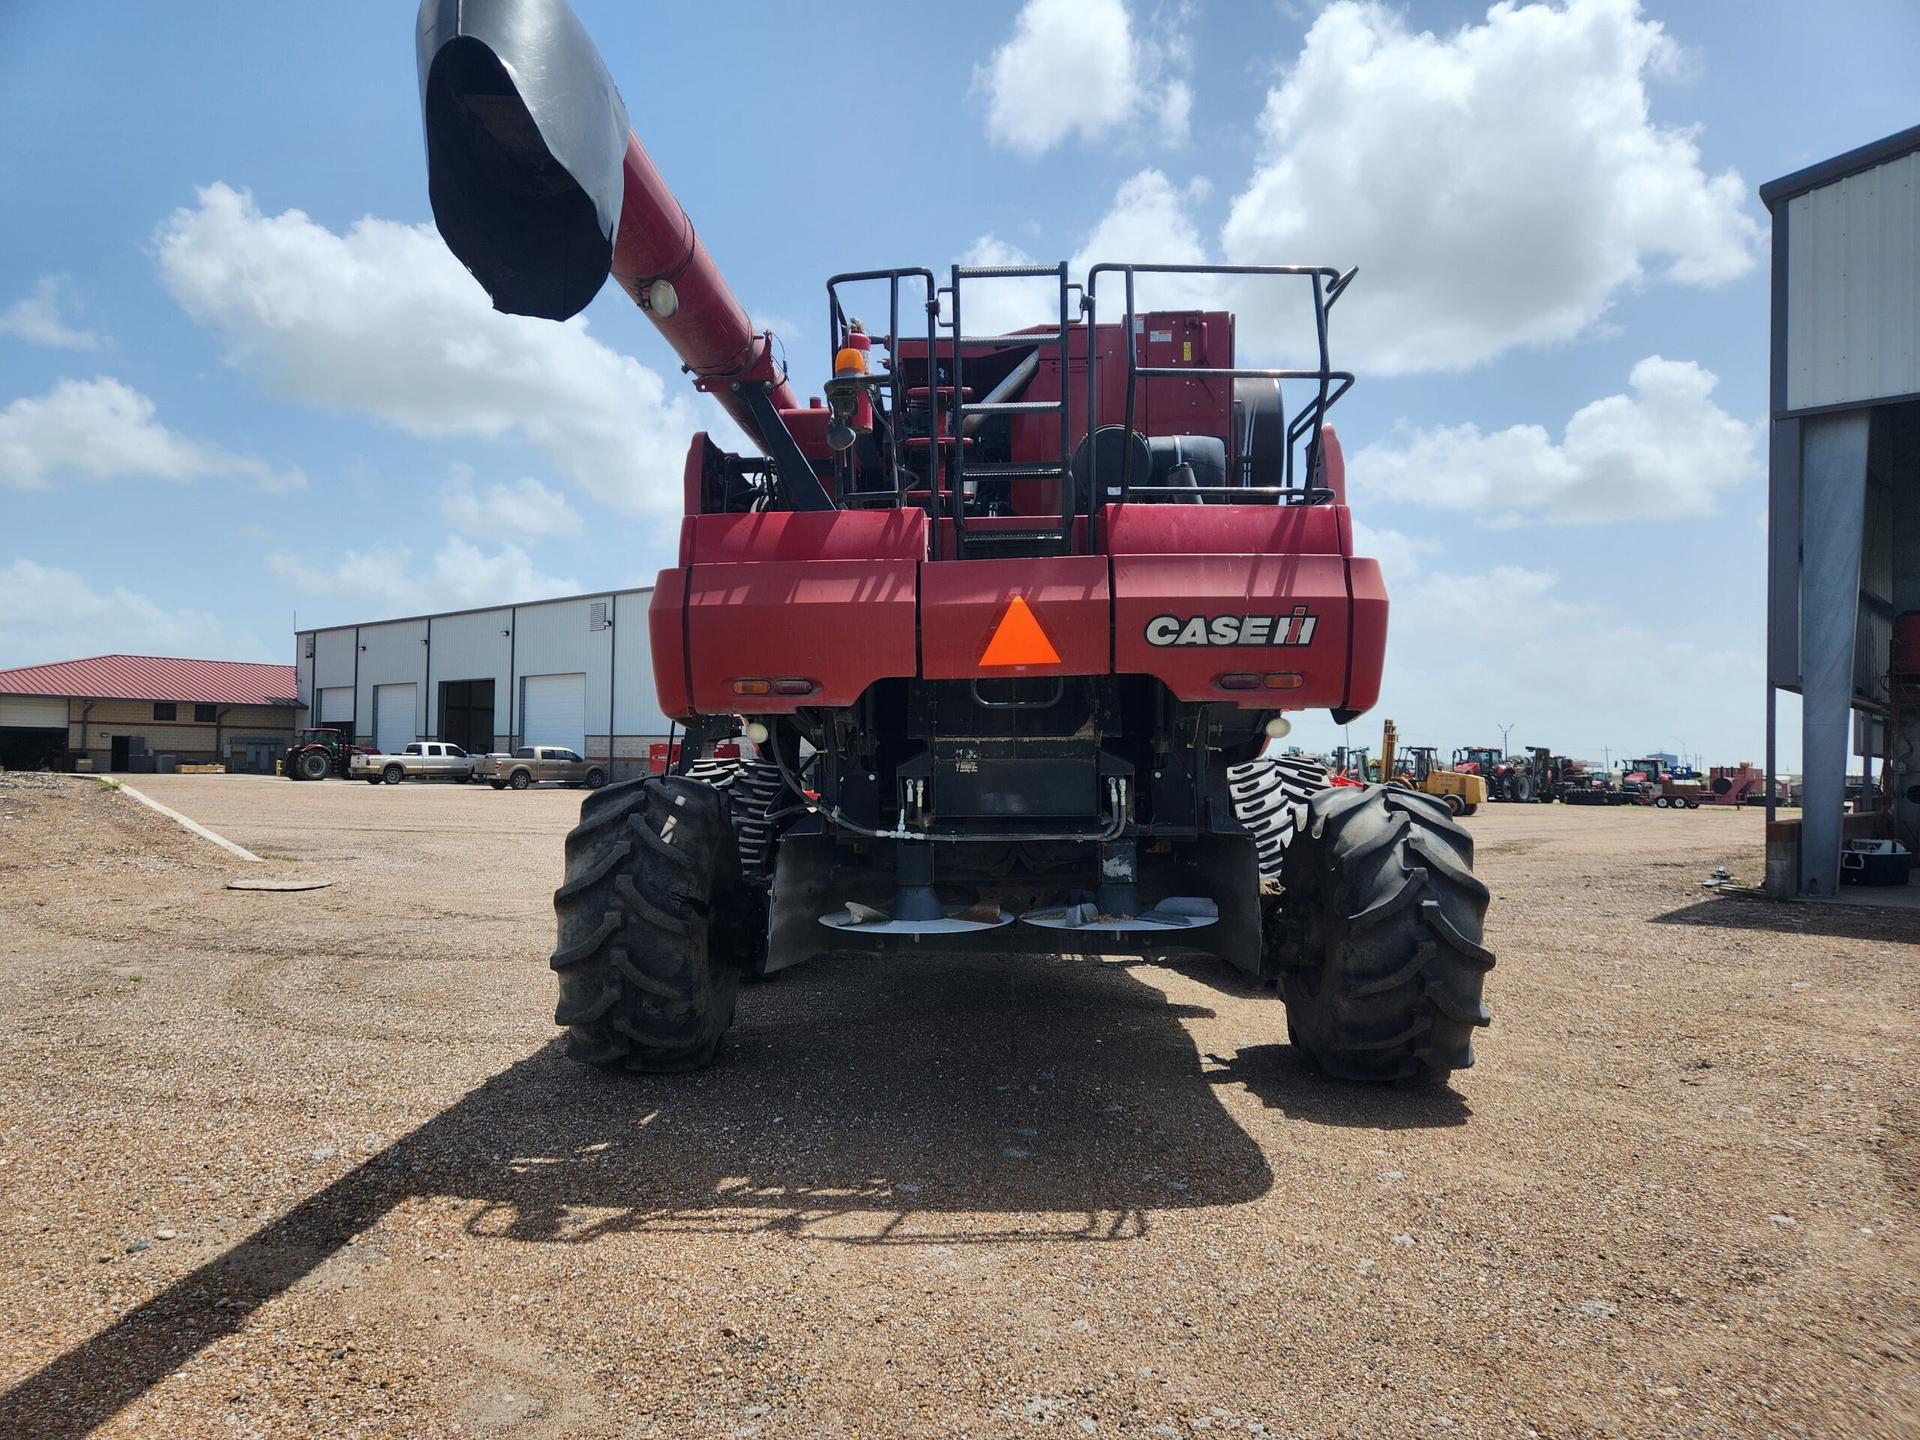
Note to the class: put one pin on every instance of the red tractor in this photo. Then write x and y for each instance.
(319, 755)
(1009, 621)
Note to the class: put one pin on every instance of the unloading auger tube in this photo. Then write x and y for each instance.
(542, 190)
(1011, 621)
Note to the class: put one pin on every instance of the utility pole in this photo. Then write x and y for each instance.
(1506, 730)
(1609, 754)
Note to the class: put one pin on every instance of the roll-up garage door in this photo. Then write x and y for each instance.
(555, 707)
(336, 704)
(29, 712)
(393, 728)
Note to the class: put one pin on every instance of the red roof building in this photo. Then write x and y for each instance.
(146, 712)
(155, 677)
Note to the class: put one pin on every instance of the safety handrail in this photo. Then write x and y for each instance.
(1328, 285)
(892, 380)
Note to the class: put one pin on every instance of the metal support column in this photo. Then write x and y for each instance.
(1833, 469)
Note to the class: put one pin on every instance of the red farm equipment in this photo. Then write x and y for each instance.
(1507, 779)
(1008, 622)
(320, 754)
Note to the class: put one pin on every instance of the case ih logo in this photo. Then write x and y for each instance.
(1291, 629)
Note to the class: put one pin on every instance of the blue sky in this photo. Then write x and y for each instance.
(215, 410)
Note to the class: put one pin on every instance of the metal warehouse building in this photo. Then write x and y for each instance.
(1843, 623)
(576, 672)
(141, 712)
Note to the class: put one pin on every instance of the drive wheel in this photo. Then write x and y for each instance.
(1382, 965)
(1268, 795)
(1660, 802)
(653, 926)
(596, 777)
(1520, 789)
(520, 780)
(393, 774)
(312, 765)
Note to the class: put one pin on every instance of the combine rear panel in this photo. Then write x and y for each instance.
(1009, 620)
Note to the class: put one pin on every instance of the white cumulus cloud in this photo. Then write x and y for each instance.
(1150, 222)
(386, 580)
(36, 318)
(1078, 67)
(101, 430)
(382, 321)
(49, 613)
(1662, 449)
(525, 509)
(1498, 186)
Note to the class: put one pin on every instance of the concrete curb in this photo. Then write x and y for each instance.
(190, 825)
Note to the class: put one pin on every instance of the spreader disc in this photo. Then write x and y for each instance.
(1178, 912)
(959, 920)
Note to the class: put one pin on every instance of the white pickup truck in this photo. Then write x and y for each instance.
(422, 760)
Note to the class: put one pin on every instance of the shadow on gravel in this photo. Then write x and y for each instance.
(865, 1102)
(1798, 917)
(1280, 1078)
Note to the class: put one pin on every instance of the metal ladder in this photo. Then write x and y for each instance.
(1044, 538)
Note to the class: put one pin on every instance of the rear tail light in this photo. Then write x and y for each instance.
(1273, 680)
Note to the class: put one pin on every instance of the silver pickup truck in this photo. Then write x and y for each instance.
(539, 765)
(422, 760)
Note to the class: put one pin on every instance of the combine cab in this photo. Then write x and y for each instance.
(1009, 621)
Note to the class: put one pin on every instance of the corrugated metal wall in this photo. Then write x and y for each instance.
(332, 658)
(474, 647)
(1853, 296)
(558, 638)
(636, 704)
(391, 653)
(507, 644)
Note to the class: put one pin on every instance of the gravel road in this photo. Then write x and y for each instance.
(290, 1164)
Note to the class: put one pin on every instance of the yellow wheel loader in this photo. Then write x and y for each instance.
(1415, 767)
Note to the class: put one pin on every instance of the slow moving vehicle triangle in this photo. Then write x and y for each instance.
(1019, 640)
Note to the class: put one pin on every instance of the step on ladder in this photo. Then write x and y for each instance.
(1042, 536)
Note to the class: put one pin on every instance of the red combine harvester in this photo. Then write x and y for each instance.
(1009, 621)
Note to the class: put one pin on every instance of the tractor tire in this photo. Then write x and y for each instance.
(652, 925)
(312, 765)
(1268, 795)
(1520, 789)
(1455, 805)
(1381, 963)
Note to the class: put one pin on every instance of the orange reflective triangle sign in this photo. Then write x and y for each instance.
(1019, 640)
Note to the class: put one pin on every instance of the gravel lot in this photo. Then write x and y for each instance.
(311, 1163)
